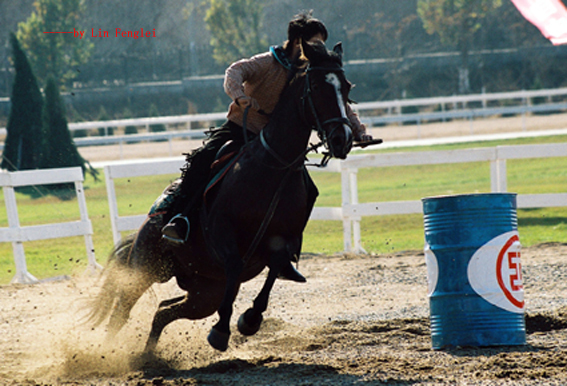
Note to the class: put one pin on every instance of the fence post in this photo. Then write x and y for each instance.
(112, 204)
(345, 193)
(22, 275)
(355, 220)
(498, 183)
(93, 265)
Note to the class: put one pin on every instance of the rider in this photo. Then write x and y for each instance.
(256, 83)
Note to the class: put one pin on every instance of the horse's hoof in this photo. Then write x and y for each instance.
(218, 340)
(244, 325)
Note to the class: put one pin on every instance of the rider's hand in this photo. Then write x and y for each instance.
(363, 137)
(246, 101)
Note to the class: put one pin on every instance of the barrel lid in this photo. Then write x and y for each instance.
(469, 201)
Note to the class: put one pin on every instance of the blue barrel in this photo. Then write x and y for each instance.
(475, 289)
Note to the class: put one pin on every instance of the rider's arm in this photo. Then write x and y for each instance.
(244, 70)
(358, 128)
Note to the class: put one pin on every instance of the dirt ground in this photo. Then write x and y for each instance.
(359, 320)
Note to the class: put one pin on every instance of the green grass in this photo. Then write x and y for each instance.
(380, 234)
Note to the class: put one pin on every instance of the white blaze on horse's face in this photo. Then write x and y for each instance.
(333, 79)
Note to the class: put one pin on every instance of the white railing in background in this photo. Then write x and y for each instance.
(136, 169)
(17, 234)
(371, 113)
(351, 211)
(111, 172)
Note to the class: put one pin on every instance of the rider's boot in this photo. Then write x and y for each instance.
(177, 229)
(290, 273)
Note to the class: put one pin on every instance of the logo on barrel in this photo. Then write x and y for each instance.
(495, 272)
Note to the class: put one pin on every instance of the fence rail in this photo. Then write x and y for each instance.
(351, 211)
(452, 107)
(17, 234)
(111, 172)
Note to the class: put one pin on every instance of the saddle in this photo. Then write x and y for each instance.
(227, 156)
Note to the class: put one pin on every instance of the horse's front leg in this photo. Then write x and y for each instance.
(249, 322)
(220, 333)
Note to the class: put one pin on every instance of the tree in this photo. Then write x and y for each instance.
(103, 116)
(456, 21)
(55, 54)
(24, 139)
(154, 112)
(60, 150)
(235, 29)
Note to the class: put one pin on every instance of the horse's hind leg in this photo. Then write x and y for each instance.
(201, 301)
(168, 311)
(128, 297)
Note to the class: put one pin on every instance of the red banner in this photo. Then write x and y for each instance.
(549, 16)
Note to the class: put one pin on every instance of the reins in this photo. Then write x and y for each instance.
(288, 166)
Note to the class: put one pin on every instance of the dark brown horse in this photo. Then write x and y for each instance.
(253, 218)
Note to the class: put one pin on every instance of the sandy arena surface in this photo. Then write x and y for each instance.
(359, 320)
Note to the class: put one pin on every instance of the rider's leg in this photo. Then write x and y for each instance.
(193, 184)
(289, 272)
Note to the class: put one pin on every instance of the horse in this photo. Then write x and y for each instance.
(250, 219)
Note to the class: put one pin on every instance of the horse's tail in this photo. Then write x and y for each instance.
(112, 287)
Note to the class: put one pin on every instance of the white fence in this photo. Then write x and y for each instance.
(464, 106)
(351, 211)
(17, 234)
(111, 172)
(137, 169)
(371, 113)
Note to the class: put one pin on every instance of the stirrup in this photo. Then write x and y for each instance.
(175, 239)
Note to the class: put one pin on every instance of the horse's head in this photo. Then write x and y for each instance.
(326, 95)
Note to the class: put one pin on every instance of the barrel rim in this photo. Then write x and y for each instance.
(446, 196)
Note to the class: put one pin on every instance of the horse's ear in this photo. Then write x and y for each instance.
(338, 49)
(307, 51)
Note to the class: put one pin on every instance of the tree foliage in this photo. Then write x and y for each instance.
(55, 54)
(60, 151)
(23, 145)
(456, 21)
(235, 27)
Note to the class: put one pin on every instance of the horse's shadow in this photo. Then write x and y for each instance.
(268, 370)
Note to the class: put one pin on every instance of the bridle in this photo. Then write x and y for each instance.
(307, 96)
(307, 102)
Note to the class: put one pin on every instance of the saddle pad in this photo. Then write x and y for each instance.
(162, 204)
(222, 172)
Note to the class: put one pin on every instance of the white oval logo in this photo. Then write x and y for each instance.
(432, 269)
(495, 272)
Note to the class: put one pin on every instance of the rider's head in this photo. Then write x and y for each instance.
(304, 26)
